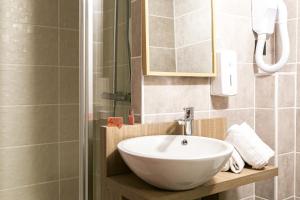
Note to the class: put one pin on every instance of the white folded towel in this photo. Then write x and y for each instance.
(235, 163)
(226, 167)
(251, 148)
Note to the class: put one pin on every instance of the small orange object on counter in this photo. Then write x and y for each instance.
(131, 117)
(115, 122)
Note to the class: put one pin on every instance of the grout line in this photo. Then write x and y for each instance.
(39, 183)
(29, 185)
(285, 154)
(36, 145)
(43, 26)
(70, 178)
(136, 57)
(246, 198)
(39, 105)
(288, 197)
(261, 198)
(164, 17)
(20, 67)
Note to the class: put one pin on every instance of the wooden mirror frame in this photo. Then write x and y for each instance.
(145, 47)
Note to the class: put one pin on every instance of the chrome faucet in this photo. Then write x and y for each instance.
(187, 121)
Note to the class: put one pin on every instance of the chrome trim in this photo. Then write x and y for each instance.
(86, 90)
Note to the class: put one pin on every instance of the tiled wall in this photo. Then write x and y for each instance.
(265, 102)
(193, 43)
(39, 100)
(174, 44)
(162, 42)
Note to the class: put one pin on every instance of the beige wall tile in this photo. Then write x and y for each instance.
(195, 58)
(234, 7)
(98, 26)
(292, 8)
(108, 18)
(162, 32)
(298, 86)
(292, 29)
(238, 193)
(236, 116)
(289, 68)
(28, 45)
(28, 125)
(241, 42)
(136, 29)
(298, 35)
(162, 59)
(286, 130)
(298, 130)
(108, 4)
(265, 91)
(69, 189)
(98, 57)
(286, 175)
(265, 125)
(69, 48)
(136, 86)
(69, 85)
(46, 191)
(123, 12)
(69, 160)
(123, 83)
(265, 189)
(286, 91)
(161, 8)
(69, 122)
(109, 50)
(30, 12)
(28, 85)
(69, 13)
(28, 165)
(184, 7)
(122, 49)
(160, 93)
(193, 28)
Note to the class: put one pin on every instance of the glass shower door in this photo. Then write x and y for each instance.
(106, 78)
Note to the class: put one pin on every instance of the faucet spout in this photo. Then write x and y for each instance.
(187, 122)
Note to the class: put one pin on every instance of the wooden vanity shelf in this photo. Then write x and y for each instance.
(118, 183)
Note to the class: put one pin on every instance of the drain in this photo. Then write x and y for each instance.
(184, 142)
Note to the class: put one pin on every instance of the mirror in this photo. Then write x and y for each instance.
(178, 38)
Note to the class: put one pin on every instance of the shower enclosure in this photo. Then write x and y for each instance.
(105, 80)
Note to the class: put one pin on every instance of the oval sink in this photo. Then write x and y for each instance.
(175, 162)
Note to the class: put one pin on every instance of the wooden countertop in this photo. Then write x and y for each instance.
(133, 188)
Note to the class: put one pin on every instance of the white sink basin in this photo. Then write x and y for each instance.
(163, 161)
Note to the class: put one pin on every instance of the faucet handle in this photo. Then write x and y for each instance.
(181, 122)
(189, 113)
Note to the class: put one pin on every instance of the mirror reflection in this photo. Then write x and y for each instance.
(180, 36)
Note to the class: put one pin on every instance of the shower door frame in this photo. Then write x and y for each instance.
(86, 92)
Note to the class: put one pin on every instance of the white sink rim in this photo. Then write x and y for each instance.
(228, 148)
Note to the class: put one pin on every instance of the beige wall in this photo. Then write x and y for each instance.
(261, 101)
(39, 100)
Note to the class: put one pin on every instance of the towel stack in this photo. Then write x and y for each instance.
(248, 147)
